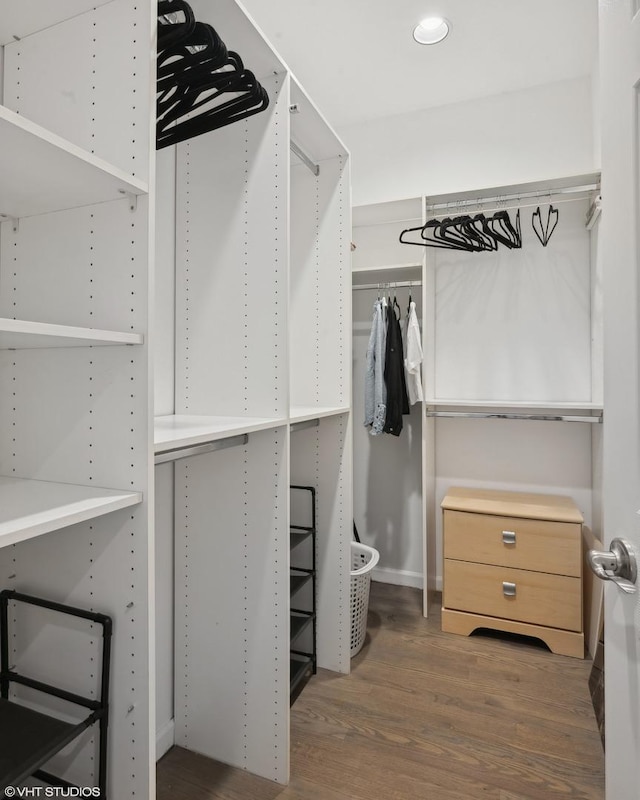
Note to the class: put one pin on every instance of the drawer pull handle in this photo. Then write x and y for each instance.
(509, 537)
(508, 589)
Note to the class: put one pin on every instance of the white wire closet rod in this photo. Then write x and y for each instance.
(306, 160)
(199, 449)
(594, 420)
(387, 285)
(499, 202)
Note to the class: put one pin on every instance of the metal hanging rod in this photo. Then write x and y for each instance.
(387, 285)
(200, 449)
(308, 162)
(594, 420)
(304, 424)
(499, 201)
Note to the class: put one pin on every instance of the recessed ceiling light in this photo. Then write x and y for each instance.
(431, 30)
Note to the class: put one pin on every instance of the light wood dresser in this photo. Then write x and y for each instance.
(513, 562)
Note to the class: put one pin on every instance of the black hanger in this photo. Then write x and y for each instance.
(545, 230)
(440, 234)
(501, 224)
(176, 22)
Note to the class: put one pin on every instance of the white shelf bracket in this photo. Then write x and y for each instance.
(132, 198)
(15, 222)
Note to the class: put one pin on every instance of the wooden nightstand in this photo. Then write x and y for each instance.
(513, 562)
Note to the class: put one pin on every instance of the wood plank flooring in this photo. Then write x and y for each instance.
(426, 715)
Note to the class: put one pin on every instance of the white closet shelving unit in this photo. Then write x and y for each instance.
(252, 342)
(76, 197)
(257, 299)
(511, 341)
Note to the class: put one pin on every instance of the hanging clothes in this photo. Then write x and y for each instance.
(375, 390)
(413, 356)
(397, 401)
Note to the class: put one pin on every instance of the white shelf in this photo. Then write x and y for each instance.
(16, 334)
(514, 404)
(41, 172)
(30, 508)
(182, 430)
(20, 19)
(305, 413)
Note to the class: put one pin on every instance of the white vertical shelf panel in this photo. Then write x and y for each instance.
(78, 267)
(232, 599)
(22, 19)
(320, 285)
(165, 282)
(84, 79)
(240, 33)
(232, 234)
(322, 457)
(334, 238)
(304, 291)
(82, 416)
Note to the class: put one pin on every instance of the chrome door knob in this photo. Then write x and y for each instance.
(617, 565)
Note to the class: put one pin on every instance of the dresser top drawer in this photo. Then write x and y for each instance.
(533, 544)
(512, 504)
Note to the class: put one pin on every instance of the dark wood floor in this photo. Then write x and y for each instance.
(426, 716)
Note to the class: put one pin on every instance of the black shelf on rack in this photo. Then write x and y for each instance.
(28, 738)
(300, 621)
(303, 616)
(299, 534)
(301, 669)
(299, 579)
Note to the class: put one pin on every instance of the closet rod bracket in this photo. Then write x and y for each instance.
(306, 160)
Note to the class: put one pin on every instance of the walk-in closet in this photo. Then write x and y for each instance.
(319, 400)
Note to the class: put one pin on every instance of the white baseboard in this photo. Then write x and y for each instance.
(399, 577)
(403, 577)
(165, 739)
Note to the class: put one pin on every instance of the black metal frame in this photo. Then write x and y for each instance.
(99, 709)
(306, 662)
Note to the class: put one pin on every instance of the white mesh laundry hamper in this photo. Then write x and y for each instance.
(363, 560)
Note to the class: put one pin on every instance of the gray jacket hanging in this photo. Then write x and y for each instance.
(375, 391)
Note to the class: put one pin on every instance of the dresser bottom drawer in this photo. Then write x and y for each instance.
(516, 594)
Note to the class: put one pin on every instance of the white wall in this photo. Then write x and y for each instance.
(535, 134)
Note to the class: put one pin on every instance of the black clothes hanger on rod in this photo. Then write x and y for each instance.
(544, 231)
(476, 234)
(176, 22)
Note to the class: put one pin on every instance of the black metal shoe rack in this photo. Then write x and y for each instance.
(302, 539)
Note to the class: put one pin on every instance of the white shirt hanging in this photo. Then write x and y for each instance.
(413, 356)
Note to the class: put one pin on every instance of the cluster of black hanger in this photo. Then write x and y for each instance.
(480, 233)
(473, 234)
(201, 86)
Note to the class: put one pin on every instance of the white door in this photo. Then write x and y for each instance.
(620, 106)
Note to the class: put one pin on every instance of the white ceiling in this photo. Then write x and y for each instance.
(358, 60)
